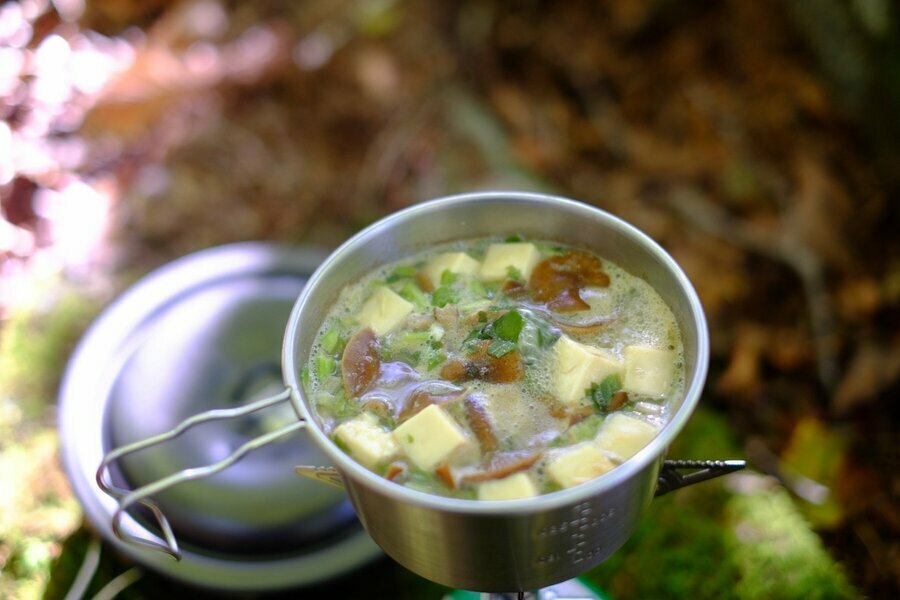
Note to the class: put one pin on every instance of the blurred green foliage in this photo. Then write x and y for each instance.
(746, 541)
(776, 553)
(36, 508)
(35, 343)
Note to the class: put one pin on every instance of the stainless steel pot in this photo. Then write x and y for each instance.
(504, 545)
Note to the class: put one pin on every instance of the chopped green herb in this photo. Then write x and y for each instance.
(470, 344)
(545, 333)
(422, 481)
(399, 273)
(408, 338)
(601, 393)
(435, 359)
(443, 296)
(509, 326)
(513, 273)
(506, 327)
(332, 342)
(336, 404)
(347, 321)
(550, 487)
(479, 333)
(551, 249)
(409, 439)
(411, 292)
(477, 288)
(324, 366)
(500, 348)
(582, 431)
(304, 377)
(514, 239)
(448, 277)
(546, 337)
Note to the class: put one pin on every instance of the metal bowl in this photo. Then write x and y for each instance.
(514, 544)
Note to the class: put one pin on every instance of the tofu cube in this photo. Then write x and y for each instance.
(499, 258)
(622, 436)
(366, 441)
(577, 366)
(648, 370)
(383, 311)
(518, 485)
(429, 437)
(459, 263)
(577, 464)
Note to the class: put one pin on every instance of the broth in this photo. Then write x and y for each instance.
(495, 369)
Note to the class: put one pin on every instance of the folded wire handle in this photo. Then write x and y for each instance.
(671, 478)
(128, 498)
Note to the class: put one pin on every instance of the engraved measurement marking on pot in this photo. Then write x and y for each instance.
(576, 529)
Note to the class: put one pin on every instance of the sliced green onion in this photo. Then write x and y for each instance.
(545, 334)
(324, 366)
(304, 377)
(601, 393)
(435, 359)
(448, 277)
(413, 337)
(443, 296)
(582, 431)
(331, 341)
(411, 292)
(500, 348)
(337, 404)
(399, 273)
(477, 288)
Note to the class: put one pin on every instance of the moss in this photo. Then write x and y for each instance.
(776, 553)
(708, 541)
(36, 511)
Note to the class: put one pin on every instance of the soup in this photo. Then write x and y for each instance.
(495, 369)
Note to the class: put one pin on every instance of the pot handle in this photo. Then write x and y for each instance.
(126, 498)
(670, 477)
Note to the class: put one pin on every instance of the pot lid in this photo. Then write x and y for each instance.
(205, 333)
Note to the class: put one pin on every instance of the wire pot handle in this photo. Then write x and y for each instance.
(671, 478)
(126, 498)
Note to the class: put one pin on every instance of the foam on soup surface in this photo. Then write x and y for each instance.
(495, 369)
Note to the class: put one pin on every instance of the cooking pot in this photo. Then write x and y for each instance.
(492, 546)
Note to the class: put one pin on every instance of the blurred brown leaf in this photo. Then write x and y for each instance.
(873, 369)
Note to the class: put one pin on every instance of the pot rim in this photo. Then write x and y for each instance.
(647, 455)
